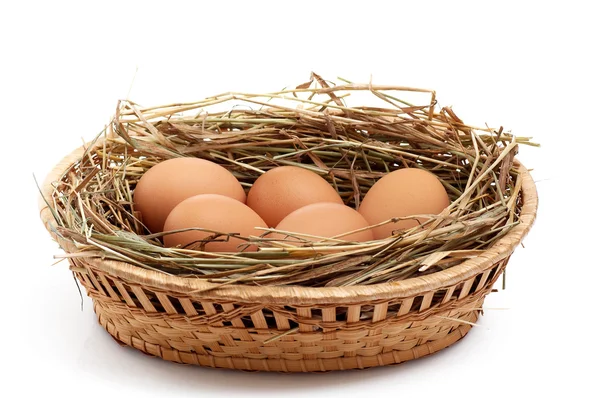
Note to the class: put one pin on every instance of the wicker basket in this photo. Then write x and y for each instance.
(287, 328)
(244, 327)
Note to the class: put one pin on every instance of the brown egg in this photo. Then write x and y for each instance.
(326, 220)
(166, 184)
(216, 213)
(402, 193)
(282, 190)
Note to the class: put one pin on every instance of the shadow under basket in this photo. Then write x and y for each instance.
(289, 329)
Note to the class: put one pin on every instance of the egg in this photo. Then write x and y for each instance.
(326, 220)
(215, 213)
(281, 190)
(402, 193)
(168, 183)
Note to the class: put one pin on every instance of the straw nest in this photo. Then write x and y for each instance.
(314, 126)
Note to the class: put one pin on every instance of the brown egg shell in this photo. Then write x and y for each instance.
(326, 220)
(216, 213)
(402, 193)
(281, 190)
(168, 183)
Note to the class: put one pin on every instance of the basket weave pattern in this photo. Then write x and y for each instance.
(232, 335)
(289, 329)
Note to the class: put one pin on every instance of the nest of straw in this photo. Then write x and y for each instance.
(316, 126)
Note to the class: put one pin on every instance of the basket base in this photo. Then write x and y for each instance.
(285, 365)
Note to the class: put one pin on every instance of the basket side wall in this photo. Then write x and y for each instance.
(287, 338)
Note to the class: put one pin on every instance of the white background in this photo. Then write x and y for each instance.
(529, 67)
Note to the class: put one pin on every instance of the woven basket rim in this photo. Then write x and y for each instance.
(300, 295)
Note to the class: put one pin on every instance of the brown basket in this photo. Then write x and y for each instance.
(329, 328)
